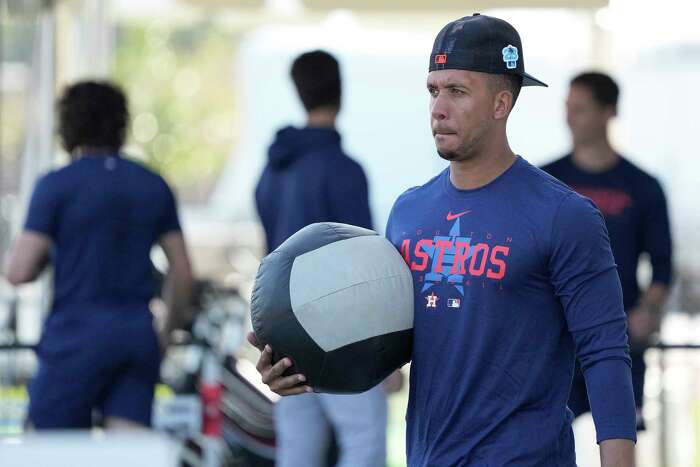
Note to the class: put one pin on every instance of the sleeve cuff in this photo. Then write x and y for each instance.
(662, 278)
(38, 228)
(604, 433)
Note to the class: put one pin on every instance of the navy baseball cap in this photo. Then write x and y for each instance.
(481, 43)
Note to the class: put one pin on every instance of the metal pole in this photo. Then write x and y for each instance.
(664, 422)
(663, 448)
(4, 228)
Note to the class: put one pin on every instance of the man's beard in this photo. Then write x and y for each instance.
(465, 151)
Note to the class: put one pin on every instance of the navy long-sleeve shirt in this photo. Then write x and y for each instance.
(512, 281)
(308, 179)
(634, 207)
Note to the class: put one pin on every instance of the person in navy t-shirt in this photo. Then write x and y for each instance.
(634, 207)
(95, 221)
(513, 278)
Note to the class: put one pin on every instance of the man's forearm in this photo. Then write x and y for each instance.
(27, 258)
(177, 295)
(617, 453)
(178, 284)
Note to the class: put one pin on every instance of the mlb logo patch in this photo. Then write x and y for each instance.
(453, 303)
(441, 59)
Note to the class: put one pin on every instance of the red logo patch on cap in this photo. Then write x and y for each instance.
(441, 59)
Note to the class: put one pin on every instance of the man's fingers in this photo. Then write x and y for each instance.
(295, 391)
(276, 371)
(282, 384)
(272, 374)
(264, 361)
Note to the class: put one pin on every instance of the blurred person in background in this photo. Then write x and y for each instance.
(95, 221)
(634, 207)
(308, 179)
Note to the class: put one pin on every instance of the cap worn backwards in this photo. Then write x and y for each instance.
(481, 43)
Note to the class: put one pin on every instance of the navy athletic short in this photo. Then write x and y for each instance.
(107, 361)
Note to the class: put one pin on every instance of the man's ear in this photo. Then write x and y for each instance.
(608, 113)
(502, 104)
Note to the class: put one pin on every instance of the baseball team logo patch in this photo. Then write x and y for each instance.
(432, 300)
(510, 56)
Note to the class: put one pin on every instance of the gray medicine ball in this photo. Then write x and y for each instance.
(338, 301)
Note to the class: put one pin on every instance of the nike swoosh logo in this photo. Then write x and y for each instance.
(451, 217)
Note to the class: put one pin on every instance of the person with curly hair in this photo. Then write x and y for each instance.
(95, 221)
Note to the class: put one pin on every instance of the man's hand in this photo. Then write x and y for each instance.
(272, 374)
(645, 320)
(617, 453)
(643, 324)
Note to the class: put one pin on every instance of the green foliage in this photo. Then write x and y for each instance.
(179, 80)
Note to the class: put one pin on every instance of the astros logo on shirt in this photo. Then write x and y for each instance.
(454, 258)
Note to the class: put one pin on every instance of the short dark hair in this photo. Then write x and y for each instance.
(92, 113)
(604, 89)
(512, 83)
(316, 76)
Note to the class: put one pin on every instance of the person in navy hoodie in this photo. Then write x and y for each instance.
(513, 278)
(95, 221)
(308, 179)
